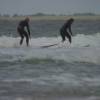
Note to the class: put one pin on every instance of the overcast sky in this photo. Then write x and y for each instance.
(49, 6)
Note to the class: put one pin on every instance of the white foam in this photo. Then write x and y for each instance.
(86, 40)
(77, 41)
(84, 48)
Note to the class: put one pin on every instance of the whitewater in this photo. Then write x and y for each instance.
(84, 48)
(61, 72)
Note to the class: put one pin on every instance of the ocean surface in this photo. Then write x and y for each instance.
(61, 72)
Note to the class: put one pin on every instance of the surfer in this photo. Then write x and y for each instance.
(22, 31)
(65, 30)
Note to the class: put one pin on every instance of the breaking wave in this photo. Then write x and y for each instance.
(84, 48)
(77, 41)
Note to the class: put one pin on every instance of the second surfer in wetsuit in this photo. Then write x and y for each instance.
(22, 32)
(65, 30)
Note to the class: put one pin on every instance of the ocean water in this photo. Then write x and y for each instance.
(61, 72)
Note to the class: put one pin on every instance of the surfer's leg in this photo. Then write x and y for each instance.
(21, 41)
(27, 37)
(21, 35)
(62, 35)
(69, 37)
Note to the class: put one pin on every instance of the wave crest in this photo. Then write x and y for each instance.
(77, 41)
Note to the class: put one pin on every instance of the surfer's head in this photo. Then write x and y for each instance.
(27, 19)
(71, 20)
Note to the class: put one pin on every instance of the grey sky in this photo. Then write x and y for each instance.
(49, 6)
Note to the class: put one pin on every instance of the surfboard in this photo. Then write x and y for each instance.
(47, 46)
(86, 45)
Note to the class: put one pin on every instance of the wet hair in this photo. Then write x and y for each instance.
(71, 19)
(27, 19)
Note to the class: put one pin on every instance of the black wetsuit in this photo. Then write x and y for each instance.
(22, 32)
(65, 31)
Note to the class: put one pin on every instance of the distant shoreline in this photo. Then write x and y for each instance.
(84, 17)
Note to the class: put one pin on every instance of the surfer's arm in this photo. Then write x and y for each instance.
(28, 29)
(70, 30)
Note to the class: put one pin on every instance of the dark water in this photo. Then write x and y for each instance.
(63, 72)
(51, 28)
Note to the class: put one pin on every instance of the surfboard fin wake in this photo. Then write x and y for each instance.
(47, 46)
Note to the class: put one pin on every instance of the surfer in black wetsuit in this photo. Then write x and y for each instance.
(65, 30)
(22, 32)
